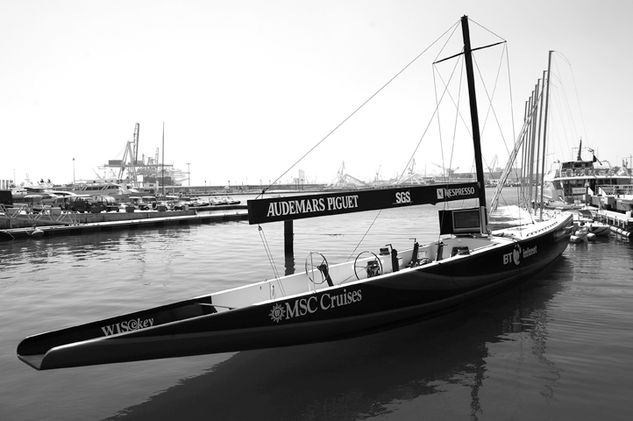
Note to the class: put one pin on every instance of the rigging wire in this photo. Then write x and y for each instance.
(514, 135)
(365, 234)
(511, 99)
(439, 123)
(507, 54)
(513, 168)
(485, 29)
(490, 102)
(437, 102)
(573, 79)
(417, 146)
(371, 97)
(457, 114)
(563, 122)
(269, 254)
(564, 99)
(464, 121)
(490, 98)
(491, 108)
(448, 38)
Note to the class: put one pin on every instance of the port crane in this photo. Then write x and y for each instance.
(136, 171)
(130, 158)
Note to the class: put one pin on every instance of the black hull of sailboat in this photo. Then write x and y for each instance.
(333, 313)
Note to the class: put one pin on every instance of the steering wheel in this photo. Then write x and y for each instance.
(375, 270)
(311, 265)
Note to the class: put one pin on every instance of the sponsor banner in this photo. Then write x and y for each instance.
(127, 326)
(518, 254)
(323, 204)
(304, 306)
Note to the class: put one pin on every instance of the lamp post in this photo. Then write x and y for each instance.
(73, 172)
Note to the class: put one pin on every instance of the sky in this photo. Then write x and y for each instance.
(245, 88)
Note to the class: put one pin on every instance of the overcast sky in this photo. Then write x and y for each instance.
(245, 87)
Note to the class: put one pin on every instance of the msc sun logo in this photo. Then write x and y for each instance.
(277, 313)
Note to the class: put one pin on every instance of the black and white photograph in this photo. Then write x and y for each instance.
(310, 210)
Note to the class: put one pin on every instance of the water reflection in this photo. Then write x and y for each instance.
(369, 376)
(138, 250)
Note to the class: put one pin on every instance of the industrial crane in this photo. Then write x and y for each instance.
(130, 157)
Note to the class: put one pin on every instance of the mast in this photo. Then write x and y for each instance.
(137, 136)
(137, 132)
(549, 70)
(531, 175)
(162, 170)
(474, 118)
(540, 155)
(525, 179)
(524, 136)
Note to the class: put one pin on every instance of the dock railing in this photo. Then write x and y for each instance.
(24, 215)
(618, 190)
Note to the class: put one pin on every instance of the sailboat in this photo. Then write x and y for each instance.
(327, 302)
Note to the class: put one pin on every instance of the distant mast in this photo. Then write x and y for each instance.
(474, 118)
(549, 70)
(137, 138)
(162, 166)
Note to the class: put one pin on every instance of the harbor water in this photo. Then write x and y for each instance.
(557, 347)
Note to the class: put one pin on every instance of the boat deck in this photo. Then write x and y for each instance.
(313, 279)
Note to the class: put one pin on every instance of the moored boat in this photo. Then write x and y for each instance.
(597, 228)
(572, 182)
(324, 302)
(580, 234)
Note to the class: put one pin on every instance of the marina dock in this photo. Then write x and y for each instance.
(121, 221)
(620, 223)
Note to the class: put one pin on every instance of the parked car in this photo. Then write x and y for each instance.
(94, 204)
